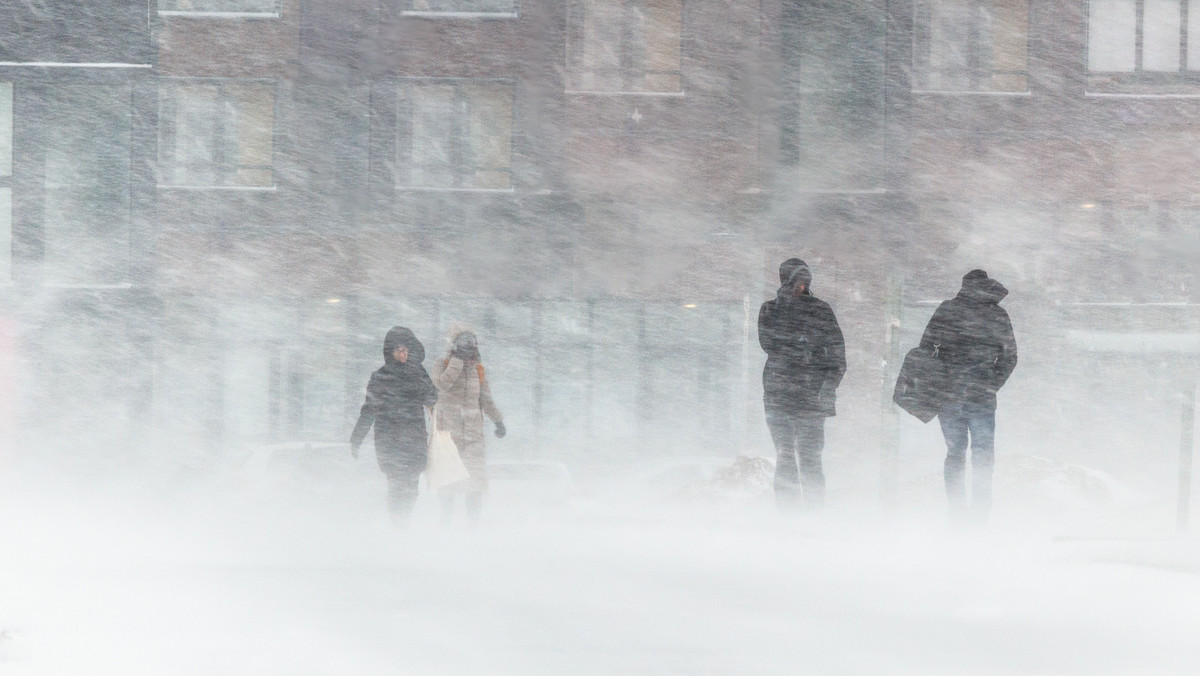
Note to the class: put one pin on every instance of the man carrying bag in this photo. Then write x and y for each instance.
(966, 354)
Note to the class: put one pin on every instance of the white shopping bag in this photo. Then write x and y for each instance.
(444, 466)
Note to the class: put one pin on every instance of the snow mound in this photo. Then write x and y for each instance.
(1033, 479)
(1036, 485)
(748, 478)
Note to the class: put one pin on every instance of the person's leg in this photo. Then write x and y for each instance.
(954, 429)
(402, 493)
(982, 422)
(787, 474)
(474, 507)
(811, 444)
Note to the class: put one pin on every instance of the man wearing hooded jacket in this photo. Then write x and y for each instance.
(396, 395)
(806, 359)
(973, 337)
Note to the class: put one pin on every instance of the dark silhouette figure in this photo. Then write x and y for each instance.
(973, 337)
(396, 397)
(806, 359)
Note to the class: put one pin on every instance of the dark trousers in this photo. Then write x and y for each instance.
(799, 440)
(402, 491)
(978, 421)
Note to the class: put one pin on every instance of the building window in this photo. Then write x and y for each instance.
(626, 46)
(216, 134)
(971, 45)
(503, 8)
(1149, 37)
(6, 155)
(86, 210)
(832, 105)
(211, 7)
(454, 134)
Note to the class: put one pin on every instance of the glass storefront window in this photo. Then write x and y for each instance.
(6, 129)
(5, 235)
(186, 386)
(322, 350)
(6, 154)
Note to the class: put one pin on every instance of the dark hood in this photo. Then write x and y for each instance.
(400, 335)
(791, 272)
(979, 288)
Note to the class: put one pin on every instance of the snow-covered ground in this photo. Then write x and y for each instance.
(277, 578)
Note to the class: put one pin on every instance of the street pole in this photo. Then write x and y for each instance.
(1187, 427)
(889, 478)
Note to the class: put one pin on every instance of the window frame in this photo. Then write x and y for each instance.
(1183, 82)
(573, 73)
(218, 14)
(922, 37)
(469, 15)
(6, 184)
(403, 184)
(221, 81)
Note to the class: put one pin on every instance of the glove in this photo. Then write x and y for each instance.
(500, 430)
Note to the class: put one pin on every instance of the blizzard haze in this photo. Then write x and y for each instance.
(213, 211)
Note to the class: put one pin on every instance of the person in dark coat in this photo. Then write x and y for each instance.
(973, 337)
(806, 359)
(396, 396)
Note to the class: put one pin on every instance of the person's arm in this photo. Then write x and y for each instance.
(1007, 361)
(766, 328)
(366, 417)
(446, 371)
(935, 330)
(488, 406)
(835, 350)
(430, 397)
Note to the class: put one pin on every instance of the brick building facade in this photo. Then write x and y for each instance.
(231, 200)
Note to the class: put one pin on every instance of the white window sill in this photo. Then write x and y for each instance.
(229, 188)
(1119, 303)
(221, 15)
(952, 92)
(412, 188)
(62, 64)
(64, 285)
(459, 15)
(1134, 95)
(590, 92)
(844, 191)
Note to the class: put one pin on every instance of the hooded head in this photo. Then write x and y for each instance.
(794, 271)
(400, 335)
(977, 286)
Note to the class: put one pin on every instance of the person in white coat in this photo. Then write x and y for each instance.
(464, 398)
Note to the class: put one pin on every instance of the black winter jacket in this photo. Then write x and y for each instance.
(973, 337)
(806, 354)
(395, 399)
